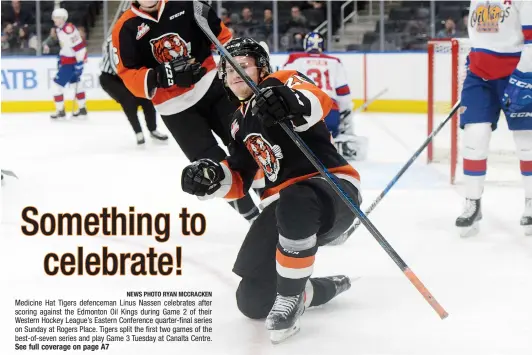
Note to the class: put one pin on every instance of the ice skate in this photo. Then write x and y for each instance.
(283, 320)
(80, 114)
(468, 221)
(526, 220)
(155, 134)
(342, 283)
(140, 138)
(58, 115)
(338, 283)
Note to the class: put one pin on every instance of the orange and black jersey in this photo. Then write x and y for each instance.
(143, 41)
(271, 149)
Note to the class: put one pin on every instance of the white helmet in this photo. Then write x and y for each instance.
(60, 13)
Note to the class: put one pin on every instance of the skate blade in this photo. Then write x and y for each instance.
(278, 336)
(466, 232)
(159, 141)
(79, 117)
(528, 230)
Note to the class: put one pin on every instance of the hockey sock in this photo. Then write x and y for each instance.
(80, 95)
(130, 109)
(295, 262)
(58, 97)
(150, 115)
(246, 207)
(475, 145)
(319, 290)
(523, 143)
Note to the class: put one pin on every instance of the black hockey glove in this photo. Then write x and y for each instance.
(202, 177)
(277, 103)
(180, 72)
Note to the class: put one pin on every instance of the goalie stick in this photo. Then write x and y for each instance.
(366, 104)
(200, 13)
(406, 166)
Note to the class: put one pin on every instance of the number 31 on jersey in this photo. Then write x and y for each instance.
(321, 79)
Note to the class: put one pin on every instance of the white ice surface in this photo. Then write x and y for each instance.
(484, 282)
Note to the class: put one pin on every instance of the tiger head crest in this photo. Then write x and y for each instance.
(168, 47)
(268, 157)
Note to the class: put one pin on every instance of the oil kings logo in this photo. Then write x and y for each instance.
(486, 17)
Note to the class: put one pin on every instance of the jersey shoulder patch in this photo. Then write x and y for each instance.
(235, 127)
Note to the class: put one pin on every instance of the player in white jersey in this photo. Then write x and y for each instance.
(72, 56)
(499, 77)
(329, 75)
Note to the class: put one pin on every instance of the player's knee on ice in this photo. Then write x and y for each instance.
(255, 297)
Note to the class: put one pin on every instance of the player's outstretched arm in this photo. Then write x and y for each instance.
(229, 179)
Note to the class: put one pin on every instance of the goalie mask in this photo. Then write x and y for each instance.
(313, 43)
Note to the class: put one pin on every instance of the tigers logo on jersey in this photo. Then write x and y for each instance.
(168, 47)
(267, 156)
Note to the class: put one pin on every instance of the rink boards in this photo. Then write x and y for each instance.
(27, 82)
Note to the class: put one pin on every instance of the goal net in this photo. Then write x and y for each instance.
(446, 74)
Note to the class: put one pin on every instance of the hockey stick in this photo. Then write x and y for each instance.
(365, 105)
(200, 13)
(406, 166)
(9, 173)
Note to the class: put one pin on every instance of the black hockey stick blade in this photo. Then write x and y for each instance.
(200, 14)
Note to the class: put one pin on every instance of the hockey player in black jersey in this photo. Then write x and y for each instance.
(162, 55)
(301, 211)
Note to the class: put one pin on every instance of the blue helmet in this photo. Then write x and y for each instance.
(313, 42)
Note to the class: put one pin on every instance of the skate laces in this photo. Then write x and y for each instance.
(284, 304)
(470, 208)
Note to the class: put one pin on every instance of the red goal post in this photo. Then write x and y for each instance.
(446, 73)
